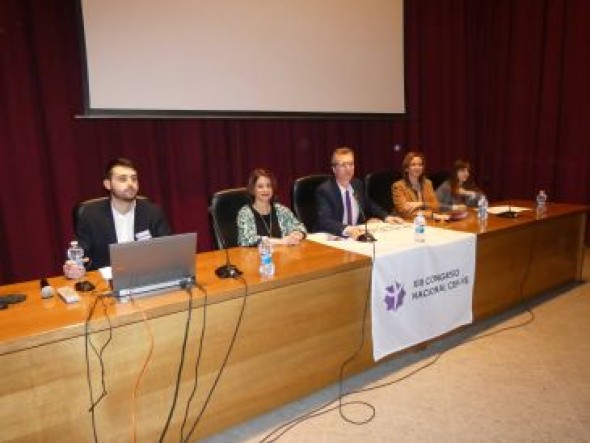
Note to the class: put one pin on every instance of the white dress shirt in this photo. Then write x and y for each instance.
(124, 224)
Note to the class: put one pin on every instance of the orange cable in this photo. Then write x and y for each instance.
(146, 323)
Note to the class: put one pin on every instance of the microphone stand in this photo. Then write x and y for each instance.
(366, 237)
(227, 270)
(509, 213)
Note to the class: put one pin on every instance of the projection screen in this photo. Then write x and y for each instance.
(243, 56)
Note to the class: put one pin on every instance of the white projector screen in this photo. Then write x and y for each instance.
(244, 56)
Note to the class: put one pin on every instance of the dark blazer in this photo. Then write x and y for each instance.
(330, 209)
(96, 228)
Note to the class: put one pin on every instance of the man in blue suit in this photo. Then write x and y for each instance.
(121, 218)
(341, 201)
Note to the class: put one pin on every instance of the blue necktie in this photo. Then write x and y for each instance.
(348, 208)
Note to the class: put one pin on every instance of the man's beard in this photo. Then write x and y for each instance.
(125, 196)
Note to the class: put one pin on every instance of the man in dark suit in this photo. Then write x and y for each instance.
(341, 201)
(121, 218)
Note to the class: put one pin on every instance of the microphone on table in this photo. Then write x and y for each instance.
(227, 270)
(47, 291)
(366, 237)
(509, 213)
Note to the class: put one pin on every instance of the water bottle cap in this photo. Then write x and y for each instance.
(74, 243)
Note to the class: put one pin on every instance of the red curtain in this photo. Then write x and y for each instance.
(500, 82)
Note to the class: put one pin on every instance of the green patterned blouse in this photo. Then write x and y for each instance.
(247, 235)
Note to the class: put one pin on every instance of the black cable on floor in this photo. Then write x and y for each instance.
(226, 358)
(283, 429)
(88, 345)
(188, 289)
(197, 362)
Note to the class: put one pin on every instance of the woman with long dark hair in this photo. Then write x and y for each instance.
(459, 191)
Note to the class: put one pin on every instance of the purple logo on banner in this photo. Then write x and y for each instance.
(394, 296)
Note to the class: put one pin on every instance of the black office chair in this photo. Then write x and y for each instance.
(224, 208)
(303, 198)
(378, 187)
(437, 178)
(80, 207)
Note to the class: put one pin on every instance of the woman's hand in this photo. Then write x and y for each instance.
(294, 238)
(467, 193)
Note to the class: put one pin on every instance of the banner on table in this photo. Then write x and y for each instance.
(421, 293)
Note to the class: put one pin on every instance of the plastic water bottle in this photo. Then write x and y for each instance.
(482, 226)
(482, 208)
(541, 203)
(420, 227)
(75, 253)
(267, 266)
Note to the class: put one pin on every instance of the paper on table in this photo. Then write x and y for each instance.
(499, 209)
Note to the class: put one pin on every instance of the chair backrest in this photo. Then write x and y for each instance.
(303, 198)
(224, 208)
(378, 187)
(80, 207)
(437, 178)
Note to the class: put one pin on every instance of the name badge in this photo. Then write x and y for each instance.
(143, 235)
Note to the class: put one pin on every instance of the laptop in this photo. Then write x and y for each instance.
(148, 267)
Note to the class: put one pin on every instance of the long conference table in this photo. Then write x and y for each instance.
(294, 332)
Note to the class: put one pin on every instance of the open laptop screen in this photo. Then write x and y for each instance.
(151, 266)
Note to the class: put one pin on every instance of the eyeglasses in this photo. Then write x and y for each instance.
(345, 165)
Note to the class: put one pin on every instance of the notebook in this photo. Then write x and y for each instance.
(148, 267)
